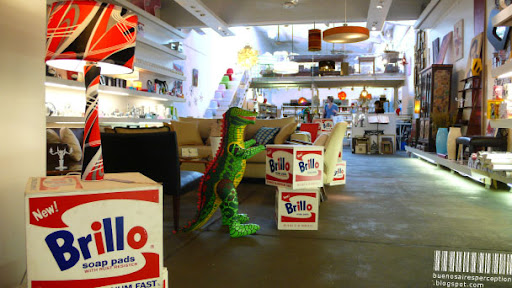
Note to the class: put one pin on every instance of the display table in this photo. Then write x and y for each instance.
(95, 233)
(375, 128)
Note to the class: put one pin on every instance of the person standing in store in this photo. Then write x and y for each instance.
(330, 108)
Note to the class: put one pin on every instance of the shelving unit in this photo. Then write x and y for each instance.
(155, 29)
(103, 120)
(501, 123)
(75, 85)
(503, 18)
(470, 121)
(267, 110)
(464, 170)
(153, 60)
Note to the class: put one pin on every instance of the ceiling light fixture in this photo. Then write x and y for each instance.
(287, 66)
(314, 39)
(379, 6)
(345, 33)
(290, 4)
(247, 57)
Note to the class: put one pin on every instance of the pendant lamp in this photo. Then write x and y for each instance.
(345, 33)
(247, 57)
(314, 39)
(94, 38)
(364, 93)
(287, 66)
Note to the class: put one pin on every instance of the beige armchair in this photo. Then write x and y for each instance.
(333, 148)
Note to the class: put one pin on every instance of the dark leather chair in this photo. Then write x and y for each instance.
(475, 142)
(156, 156)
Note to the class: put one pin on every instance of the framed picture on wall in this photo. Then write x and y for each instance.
(195, 77)
(475, 51)
(458, 40)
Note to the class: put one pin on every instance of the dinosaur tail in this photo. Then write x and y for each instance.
(206, 208)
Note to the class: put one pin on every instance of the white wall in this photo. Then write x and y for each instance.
(211, 55)
(22, 121)
(461, 9)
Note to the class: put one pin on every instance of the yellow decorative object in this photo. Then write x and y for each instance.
(247, 57)
(476, 67)
(417, 106)
(493, 109)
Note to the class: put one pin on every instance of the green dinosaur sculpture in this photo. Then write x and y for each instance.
(222, 176)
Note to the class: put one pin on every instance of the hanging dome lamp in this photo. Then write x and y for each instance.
(345, 33)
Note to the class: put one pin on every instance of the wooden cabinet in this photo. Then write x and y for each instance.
(436, 83)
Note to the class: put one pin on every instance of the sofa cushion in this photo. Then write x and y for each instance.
(258, 158)
(203, 151)
(251, 130)
(187, 133)
(68, 137)
(52, 137)
(215, 131)
(285, 133)
(203, 125)
(266, 135)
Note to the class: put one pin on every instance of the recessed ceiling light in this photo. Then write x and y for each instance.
(374, 28)
(193, 7)
(219, 28)
(379, 6)
(202, 15)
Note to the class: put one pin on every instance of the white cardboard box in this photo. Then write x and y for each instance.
(295, 166)
(340, 174)
(94, 233)
(297, 209)
(326, 124)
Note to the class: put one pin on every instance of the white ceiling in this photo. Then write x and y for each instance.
(267, 12)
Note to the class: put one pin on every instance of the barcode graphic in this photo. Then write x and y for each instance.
(473, 262)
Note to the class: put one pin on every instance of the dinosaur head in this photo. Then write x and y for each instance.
(240, 117)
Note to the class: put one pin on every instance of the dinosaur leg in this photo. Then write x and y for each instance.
(229, 209)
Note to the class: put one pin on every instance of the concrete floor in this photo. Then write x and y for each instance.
(379, 230)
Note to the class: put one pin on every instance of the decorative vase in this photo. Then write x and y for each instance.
(441, 139)
(452, 145)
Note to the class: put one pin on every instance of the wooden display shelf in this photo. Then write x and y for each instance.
(70, 84)
(500, 70)
(478, 175)
(503, 18)
(501, 123)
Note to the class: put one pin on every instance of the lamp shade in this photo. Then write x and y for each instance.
(342, 95)
(346, 34)
(315, 40)
(286, 67)
(88, 31)
(417, 106)
(94, 38)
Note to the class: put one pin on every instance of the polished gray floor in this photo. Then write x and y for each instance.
(379, 230)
